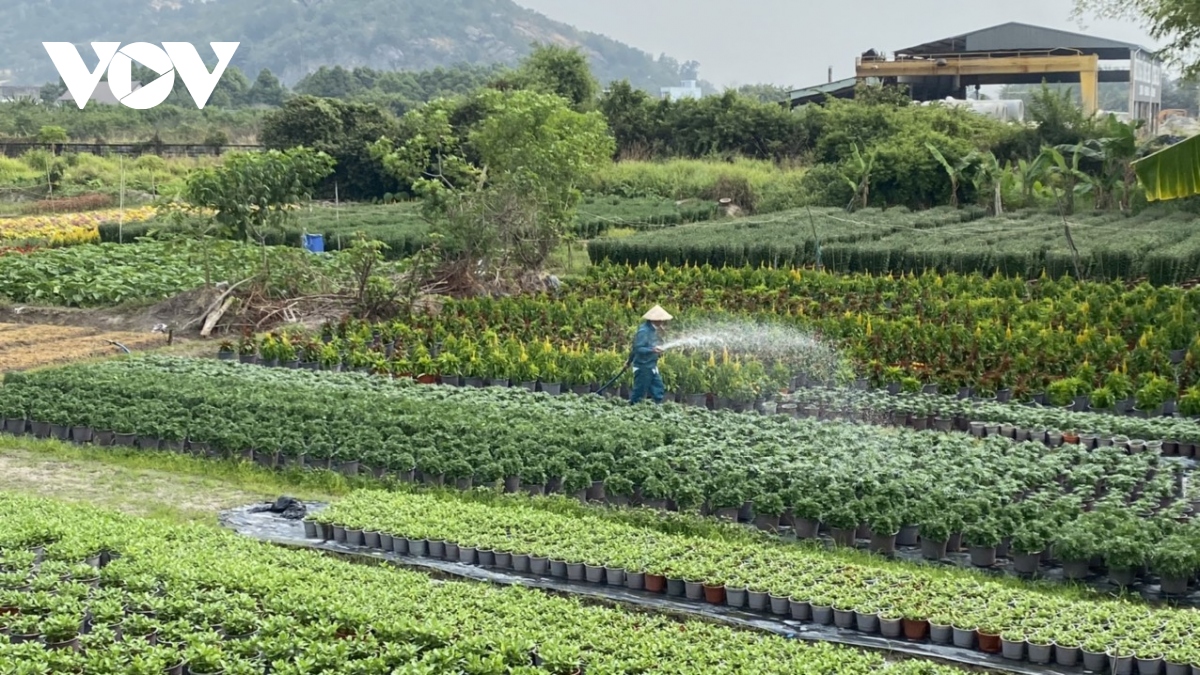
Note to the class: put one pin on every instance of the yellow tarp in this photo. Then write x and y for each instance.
(1171, 173)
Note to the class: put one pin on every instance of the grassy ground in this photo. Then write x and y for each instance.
(157, 485)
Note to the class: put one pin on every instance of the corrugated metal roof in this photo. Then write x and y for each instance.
(1014, 36)
(818, 92)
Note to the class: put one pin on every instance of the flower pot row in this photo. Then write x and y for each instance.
(916, 629)
(276, 460)
(704, 400)
(985, 557)
(923, 412)
(1081, 404)
(729, 596)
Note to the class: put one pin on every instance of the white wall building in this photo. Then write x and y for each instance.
(689, 90)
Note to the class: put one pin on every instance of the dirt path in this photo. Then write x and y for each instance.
(135, 485)
(185, 309)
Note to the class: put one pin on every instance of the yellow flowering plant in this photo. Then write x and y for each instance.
(67, 229)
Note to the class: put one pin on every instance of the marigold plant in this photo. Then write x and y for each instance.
(68, 229)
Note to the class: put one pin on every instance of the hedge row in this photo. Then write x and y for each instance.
(1162, 246)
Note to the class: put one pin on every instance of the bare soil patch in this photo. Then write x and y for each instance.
(138, 491)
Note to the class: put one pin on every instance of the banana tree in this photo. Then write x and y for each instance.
(1029, 173)
(1171, 173)
(988, 173)
(857, 174)
(1119, 146)
(1068, 172)
(956, 171)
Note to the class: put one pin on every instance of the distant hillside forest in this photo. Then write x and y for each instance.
(293, 38)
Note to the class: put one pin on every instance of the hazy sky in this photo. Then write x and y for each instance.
(793, 42)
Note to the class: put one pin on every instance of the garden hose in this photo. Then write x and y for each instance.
(601, 390)
(119, 345)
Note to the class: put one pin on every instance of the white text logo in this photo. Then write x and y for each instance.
(179, 57)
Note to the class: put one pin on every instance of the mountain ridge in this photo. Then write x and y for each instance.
(295, 37)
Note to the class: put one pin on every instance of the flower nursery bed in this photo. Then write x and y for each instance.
(952, 330)
(1156, 243)
(1175, 436)
(1058, 341)
(755, 574)
(105, 275)
(88, 590)
(1054, 426)
(255, 522)
(1108, 507)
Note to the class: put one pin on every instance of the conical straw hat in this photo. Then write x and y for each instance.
(657, 314)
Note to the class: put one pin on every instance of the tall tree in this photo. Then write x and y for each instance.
(267, 90)
(344, 130)
(251, 193)
(1176, 23)
(557, 70)
(512, 205)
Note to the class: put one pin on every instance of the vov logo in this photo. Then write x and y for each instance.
(171, 58)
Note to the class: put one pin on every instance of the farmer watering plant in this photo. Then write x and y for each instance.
(644, 357)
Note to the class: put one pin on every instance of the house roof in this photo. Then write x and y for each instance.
(1014, 36)
(817, 93)
(103, 94)
(8, 92)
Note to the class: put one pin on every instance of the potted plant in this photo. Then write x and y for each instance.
(981, 538)
(450, 366)
(1103, 400)
(205, 658)
(1012, 644)
(140, 627)
(247, 349)
(885, 525)
(424, 367)
(227, 351)
(1061, 393)
(1189, 403)
(1028, 542)
(768, 507)
(1151, 397)
(269, 349)
(935, 530)
(61, 631)
(1075, 546)
(1176, 559)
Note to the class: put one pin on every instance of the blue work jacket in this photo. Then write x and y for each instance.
(642, 355)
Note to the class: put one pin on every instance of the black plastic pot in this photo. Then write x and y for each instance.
(983, 556)
(1027, 563)
(933, 550)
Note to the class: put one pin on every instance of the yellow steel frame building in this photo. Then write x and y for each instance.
(1011, 53)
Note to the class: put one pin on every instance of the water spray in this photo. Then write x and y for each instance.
(800, 350)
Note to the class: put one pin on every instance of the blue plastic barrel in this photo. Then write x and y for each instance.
(314, 243)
